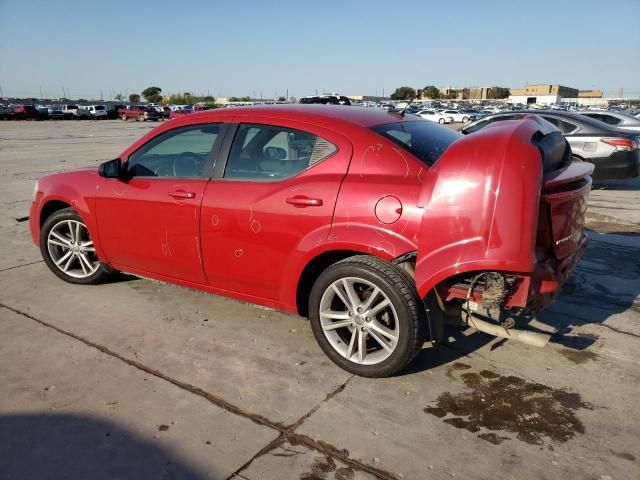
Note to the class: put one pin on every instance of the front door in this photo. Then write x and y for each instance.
(276, 198)
(148, 221)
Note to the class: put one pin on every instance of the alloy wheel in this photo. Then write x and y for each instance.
(71, 249)
(359, 321)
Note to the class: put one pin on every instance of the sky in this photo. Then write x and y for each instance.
(236, 48)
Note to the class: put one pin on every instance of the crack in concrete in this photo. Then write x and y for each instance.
(20, 266)
(286, 432)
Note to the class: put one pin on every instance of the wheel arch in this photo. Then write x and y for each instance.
(312, 271)
(51, 207)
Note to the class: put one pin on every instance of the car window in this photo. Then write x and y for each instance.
(611, 120)
(269, 153)
(425, 140)
(182, 152)
(564, 126)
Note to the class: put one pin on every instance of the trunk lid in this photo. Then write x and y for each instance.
(565, 189)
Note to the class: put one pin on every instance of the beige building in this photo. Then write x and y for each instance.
(589, 93)
(544, 89)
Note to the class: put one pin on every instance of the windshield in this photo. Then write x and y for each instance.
(425, 140)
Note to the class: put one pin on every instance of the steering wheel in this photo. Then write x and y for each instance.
(187, 164)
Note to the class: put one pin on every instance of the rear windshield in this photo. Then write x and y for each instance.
(99, 107)
(424, 139)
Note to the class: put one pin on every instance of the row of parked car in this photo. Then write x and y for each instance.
(608, 139)
(77, 112)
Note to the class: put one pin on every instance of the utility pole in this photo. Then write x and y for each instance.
(287, 95)
(101, 98)
(40, 92)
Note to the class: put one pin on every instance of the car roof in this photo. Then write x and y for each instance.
(587, 124)
(318, 114)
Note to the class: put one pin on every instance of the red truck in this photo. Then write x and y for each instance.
(141, 113)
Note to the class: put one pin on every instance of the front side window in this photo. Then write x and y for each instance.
(182, 152)
(425, 140)
(269, 153)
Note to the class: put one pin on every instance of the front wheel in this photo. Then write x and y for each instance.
(123, 117)
(68, 250)
(465, 119)
(367, 317)
(441, 121)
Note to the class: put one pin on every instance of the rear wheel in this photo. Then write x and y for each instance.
(465, 119)
(68, 250)
(441, 121)
(123, 117)
(141, 118)
(366, 316)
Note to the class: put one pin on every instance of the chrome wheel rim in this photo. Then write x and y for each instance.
(359, 321)
(71, 249)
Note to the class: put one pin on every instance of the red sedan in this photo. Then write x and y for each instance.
(373, 224)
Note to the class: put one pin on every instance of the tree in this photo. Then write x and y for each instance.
(431, 91)
(498, 92)
(152, 94)
(134, 98)
(119, 97)
(403, 93)
(282, 99)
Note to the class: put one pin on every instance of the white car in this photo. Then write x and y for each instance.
(97, 111)
(458, 115)
(434, 116)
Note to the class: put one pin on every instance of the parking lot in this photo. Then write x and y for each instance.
(141, 379)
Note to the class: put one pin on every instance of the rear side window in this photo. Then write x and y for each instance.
(565, 127)
(270, 153)
(423, 139)
(611, 120)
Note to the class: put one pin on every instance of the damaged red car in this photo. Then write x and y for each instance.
(377, 226)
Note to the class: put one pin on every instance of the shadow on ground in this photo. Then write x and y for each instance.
(41, 446)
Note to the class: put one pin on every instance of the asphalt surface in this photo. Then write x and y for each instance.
(140, 379)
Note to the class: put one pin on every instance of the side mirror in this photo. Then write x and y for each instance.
(111, 169)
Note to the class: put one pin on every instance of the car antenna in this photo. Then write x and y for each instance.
(401, 111)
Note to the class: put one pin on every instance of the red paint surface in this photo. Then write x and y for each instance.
(482, 206)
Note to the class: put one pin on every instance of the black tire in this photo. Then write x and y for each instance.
(399, 290)
(442, 121)
(102, 273)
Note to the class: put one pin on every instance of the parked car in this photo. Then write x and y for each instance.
(326, 99)
(97, 111)
(268, 204)
(141, 113)
(70, 111)
(179, 113)
(55, 112)
(459, 115)
(26, 112)
(613, 151)
(83, 112)
(617, 119)
(6, 112)
(434, 116)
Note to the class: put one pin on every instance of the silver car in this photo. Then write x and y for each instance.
(613, 151)
(617, 119)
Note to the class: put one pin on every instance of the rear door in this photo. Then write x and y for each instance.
(273, 198)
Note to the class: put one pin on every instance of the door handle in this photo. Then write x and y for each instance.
(302, 201)
(182, 194)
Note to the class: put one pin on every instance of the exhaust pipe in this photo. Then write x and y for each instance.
(535, 339)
